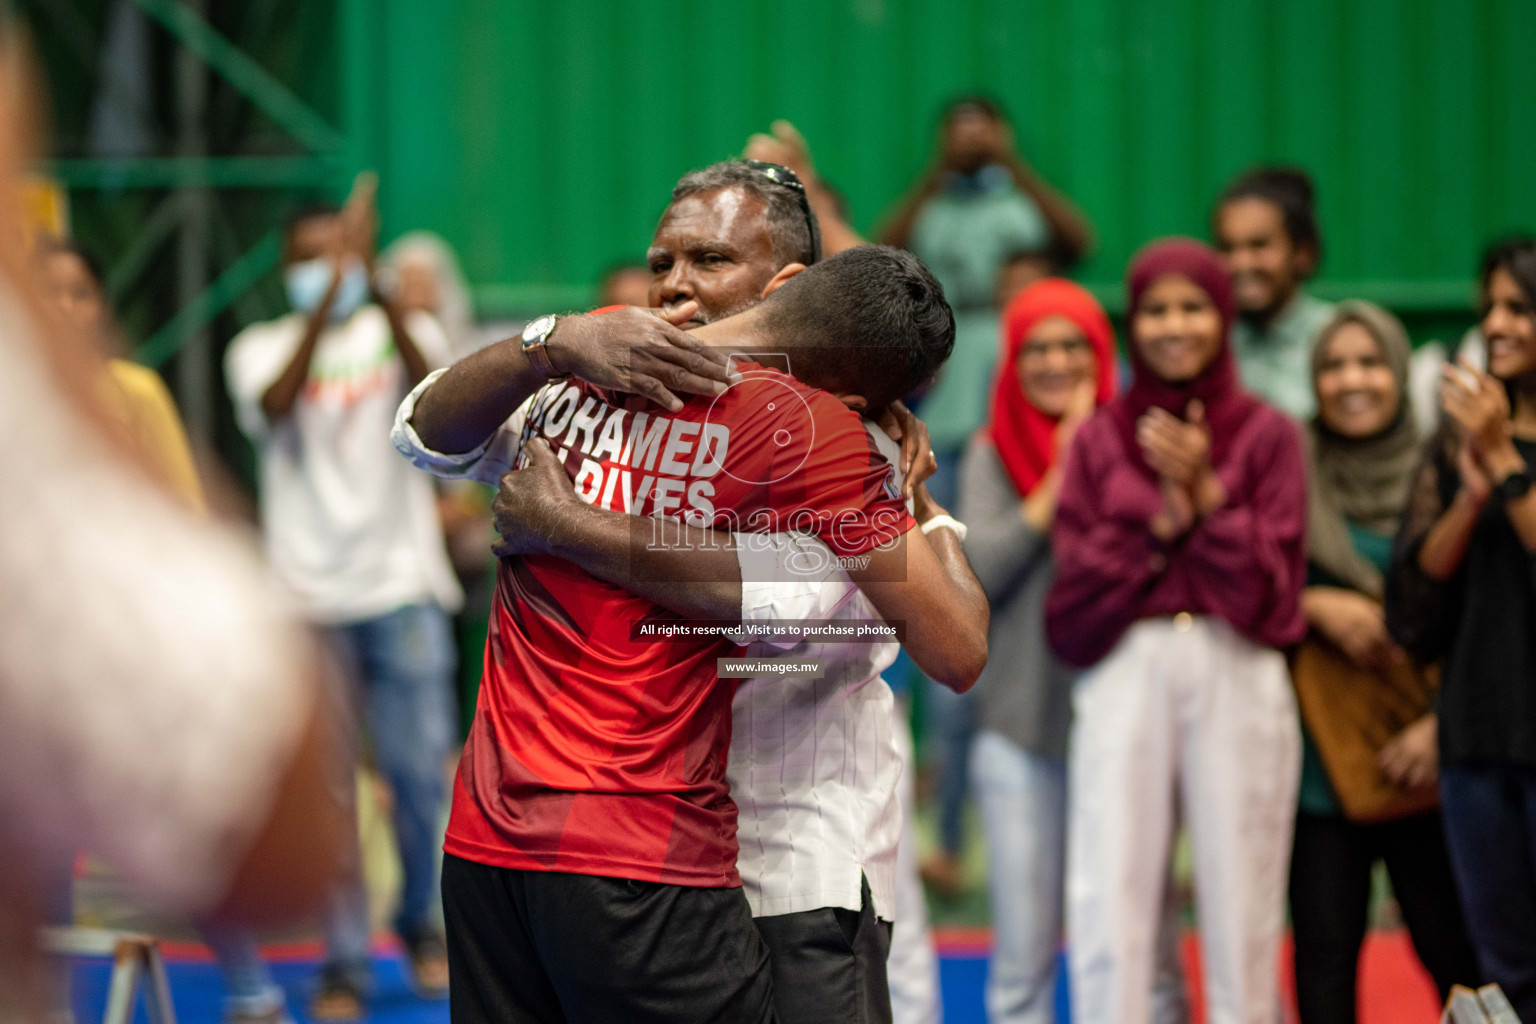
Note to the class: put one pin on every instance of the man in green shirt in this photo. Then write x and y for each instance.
(1266, 227)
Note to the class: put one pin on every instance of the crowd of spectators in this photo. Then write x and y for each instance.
(1240, 587)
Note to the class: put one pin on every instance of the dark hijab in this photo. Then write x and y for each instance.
(1227, 405)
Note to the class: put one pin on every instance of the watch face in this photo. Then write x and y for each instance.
(535, 331)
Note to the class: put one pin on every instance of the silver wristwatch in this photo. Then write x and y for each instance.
(535, 337)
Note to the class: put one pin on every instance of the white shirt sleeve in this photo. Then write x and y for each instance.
(789, 577)
(253, 361)
(485, 463)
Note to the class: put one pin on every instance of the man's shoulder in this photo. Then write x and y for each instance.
(1313, 312)
(767, 394)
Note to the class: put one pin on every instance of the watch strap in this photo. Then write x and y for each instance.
(1515, 485)
(536, 351)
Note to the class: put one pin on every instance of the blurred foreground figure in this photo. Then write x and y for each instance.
(156, 704)
(143, 417)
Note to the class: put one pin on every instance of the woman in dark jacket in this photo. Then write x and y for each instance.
(1463, 588)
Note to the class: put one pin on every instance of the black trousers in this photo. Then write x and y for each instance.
(829, 965)
(1490, 827)
(1330, 895)
(542, 946)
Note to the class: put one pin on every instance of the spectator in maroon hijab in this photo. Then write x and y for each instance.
(1179, 566)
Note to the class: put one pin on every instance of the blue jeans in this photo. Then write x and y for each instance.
(1490, 828)
(402, 666)
(1023, 804)
(248, 984)
(949, 718)
(951, 721)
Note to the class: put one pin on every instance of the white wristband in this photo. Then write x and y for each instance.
(945, 520)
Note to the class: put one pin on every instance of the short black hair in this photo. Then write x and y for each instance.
(307, 211)
(872, 319)
(50, 245)
(1516, 256)
(1050, 255)
(792, 224)
(1291, 190)
(973, 101)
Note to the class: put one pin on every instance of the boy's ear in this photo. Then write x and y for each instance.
(858, 403)
(789, 270)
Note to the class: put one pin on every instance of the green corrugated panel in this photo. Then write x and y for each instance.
(541, 138)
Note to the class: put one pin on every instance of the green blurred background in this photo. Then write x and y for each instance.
(541, 138)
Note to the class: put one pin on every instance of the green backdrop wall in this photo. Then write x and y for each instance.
(541, 138)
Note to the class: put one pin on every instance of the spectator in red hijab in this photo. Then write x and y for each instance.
(1056, 366)
(1179, 546)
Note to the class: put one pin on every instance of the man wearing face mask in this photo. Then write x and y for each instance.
(353, 532)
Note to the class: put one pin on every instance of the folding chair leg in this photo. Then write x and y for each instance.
(127, 962)
(157, 990)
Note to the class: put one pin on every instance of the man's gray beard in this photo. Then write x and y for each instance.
(706, 317)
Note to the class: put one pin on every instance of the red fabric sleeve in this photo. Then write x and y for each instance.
(844, 489)
(1105, 563)
(1249, 558)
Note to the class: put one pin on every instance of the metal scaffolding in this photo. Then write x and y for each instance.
(215, 267)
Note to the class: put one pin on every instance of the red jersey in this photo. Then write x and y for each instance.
(595, 750)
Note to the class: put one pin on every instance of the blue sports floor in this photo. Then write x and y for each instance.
(197, 991)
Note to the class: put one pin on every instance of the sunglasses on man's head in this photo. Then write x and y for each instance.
(781, 175)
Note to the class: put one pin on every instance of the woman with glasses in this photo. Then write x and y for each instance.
(1179, 563)
(1057, 367)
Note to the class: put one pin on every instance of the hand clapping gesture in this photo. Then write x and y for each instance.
(1479, 405)
(1179, 452)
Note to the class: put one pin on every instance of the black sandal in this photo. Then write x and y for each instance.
(426, 955)
(337, 1000)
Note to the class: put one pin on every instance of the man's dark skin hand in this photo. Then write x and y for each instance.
(697, 574)
(351, 235)
(712, 256)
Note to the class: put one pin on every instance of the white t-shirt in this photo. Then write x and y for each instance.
(813, 764)
(349, 527)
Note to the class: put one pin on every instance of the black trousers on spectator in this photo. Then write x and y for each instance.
(829, 965)
(544, 947)
(1331, 865)
(1490, 827)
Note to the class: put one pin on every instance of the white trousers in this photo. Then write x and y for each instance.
(1023, 802)
(1182, 707)
(913, 964)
